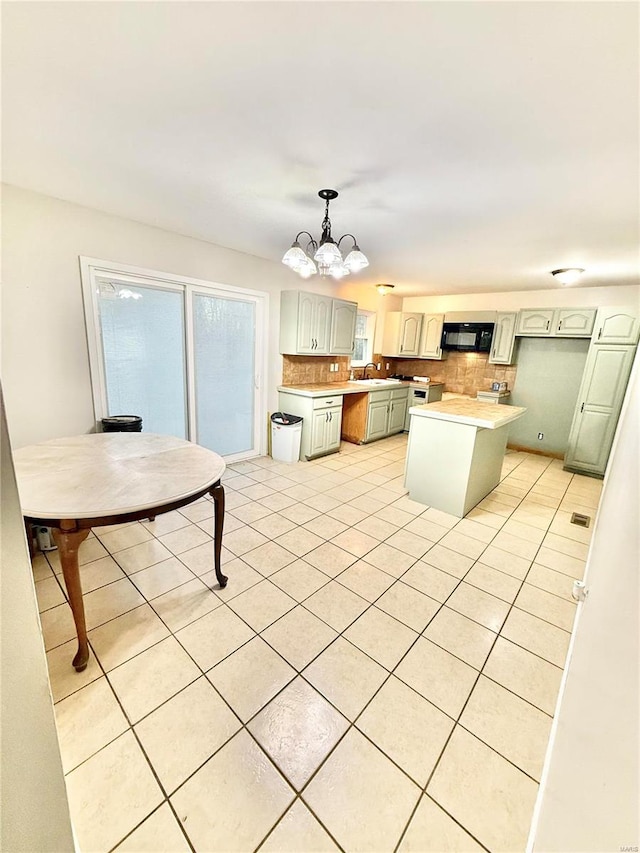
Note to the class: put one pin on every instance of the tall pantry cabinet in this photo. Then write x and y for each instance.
(602, 390)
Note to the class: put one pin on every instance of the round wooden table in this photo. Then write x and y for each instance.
(74, 484)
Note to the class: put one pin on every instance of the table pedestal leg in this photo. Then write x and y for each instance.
(217, 493)
(68, 542)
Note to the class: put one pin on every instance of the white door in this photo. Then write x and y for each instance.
(410, 326)
(343, 327)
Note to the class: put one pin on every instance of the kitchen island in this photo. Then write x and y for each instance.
(455, 452)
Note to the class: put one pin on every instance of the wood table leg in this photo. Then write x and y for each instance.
(217, 493)
(68, 539)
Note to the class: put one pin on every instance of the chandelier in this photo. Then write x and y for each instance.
(324, 258)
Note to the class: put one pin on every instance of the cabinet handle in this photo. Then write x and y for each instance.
(326, 417)
(391, 408)
(547, 326)
(600, 333)
(582, 408)
(559, 325)
(330, 416)
(329, 403)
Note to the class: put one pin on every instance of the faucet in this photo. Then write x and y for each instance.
(364, 372)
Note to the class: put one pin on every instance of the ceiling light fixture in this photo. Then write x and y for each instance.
(327, 254)
(383, 289)
(568, 275)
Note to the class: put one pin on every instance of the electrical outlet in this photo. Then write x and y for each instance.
(540, 436)
(378, 366)
(387, 367)
(331, 368)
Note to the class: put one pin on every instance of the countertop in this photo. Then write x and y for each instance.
(471, 412)
(320, 389)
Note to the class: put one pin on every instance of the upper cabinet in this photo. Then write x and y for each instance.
(504, 338)
(312, 324)
(402, 334)
(616, 326)
(432, 336)
(556, 322)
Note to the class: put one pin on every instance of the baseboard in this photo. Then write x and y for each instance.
(522, 449)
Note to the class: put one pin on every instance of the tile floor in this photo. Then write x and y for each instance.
(377, 675)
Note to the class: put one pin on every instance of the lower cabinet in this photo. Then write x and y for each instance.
(321, 421)
(386, 413)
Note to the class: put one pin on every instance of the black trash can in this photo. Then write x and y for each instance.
(122, 423)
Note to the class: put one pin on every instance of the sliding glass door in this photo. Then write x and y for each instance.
(185, 356)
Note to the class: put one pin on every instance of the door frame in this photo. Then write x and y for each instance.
(93, 270)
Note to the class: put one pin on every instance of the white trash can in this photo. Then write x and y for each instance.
(286, 433)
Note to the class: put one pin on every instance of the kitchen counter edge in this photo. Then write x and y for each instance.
(342, 388)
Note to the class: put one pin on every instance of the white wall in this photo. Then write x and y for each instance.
(45, 365)
(34, 808)
(590, 795)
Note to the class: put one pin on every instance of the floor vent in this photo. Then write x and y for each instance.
(580, 520)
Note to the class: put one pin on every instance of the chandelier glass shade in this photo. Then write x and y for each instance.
(324, 257)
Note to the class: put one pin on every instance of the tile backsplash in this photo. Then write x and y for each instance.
(461, 372)
(311, 369)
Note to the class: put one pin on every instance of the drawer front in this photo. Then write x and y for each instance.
(327, 402)
(399, 393)
(379, 396)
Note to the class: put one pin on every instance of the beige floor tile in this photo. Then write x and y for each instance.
(395, 516)
(298, 729)
(463, 637)
(252, 788)
(471, 528)
(408, 605)
(479, 606)
(510, 564)
(490, 580)
(49, 593)
(336, 605)
(501, 816)
(349, 515)
(330, 559)
(566, 546)
(570, 566)
(382, 637)
(346, 677)
(428, 529)
(410, 543)
(57, 626)
(40, 568)
(407, 505)
(161, 578)
(268, 558)
(252, 512)
(551, 581)
(103, 813)
(185, 539)
(431, 581)
(502, 496)
(525, 674)
(562, 526)
(444, 519)
(325, 527)
(325, 502)
(432, 831)
(361, 816)
(110, 601)
(216, 635)
(299, 830)
(390, 560)
(99, 573)
(495, 507)
(184, 604)
(365, 580)
(160, 831)
(462, 544)
(449, 561)
(407, 728)
(508, 724)
(515, 545)
(199, 559)
(546, 606)
(379, 528)
(489, 519)
(242, 540)
(241, 577)
(261, 605)
(166, 523)
(300, 513)
(63, 678)
(86, 721)
(273, 525)
(251, 677)
(143, 555)
(438, 676)
(149, 679)
(537, 636)
(299, 580)
(128, 635)
(125, 537)
(184, 732)
(524, 531)
(284, 635)
(198, 510)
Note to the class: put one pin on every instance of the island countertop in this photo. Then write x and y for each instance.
(471, 412)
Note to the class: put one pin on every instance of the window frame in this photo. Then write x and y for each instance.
(372, 317)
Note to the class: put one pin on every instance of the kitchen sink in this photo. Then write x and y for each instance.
(375, 381)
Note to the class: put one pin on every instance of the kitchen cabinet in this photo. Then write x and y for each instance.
(616, 326)
(377, 418)
(321, 421)
(402, 334)
(556, 322)
(432, 336)
(602, 391)
(504, 338)
(312, 324)
(386, 414)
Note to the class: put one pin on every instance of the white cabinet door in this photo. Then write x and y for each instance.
(306, 322)
(343, 327)
(432, 336)
(333, 429)
(504, 336)
(410, 328)
(537, 322)
(575, 322)
(319, 432)
(322, 325)
(616, 326)
(601, 394)
(397, 415)
(377, 419)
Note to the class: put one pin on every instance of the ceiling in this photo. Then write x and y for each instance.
(475, 146)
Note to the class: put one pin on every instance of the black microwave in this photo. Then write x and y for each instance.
(467, 337)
